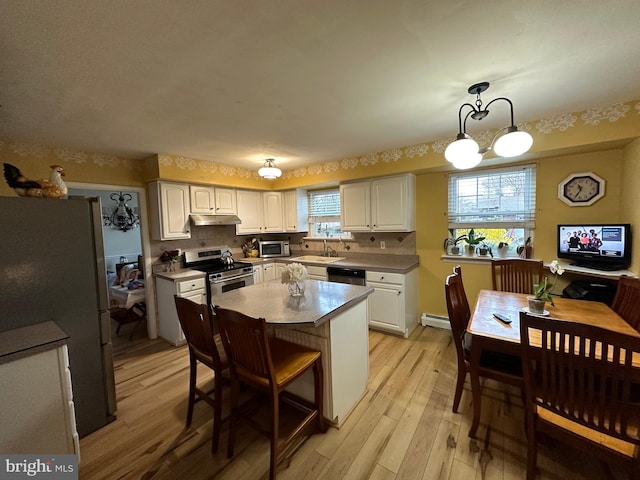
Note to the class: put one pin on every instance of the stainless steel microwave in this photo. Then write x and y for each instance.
(274, 248)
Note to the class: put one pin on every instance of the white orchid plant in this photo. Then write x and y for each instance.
(294, 272)
(542, 291)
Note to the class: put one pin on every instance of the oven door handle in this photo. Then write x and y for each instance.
(231, 279)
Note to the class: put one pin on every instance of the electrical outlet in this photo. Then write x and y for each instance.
(382, 245)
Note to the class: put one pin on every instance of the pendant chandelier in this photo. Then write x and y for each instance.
(123, 217)
(464, 152)
(269, 170)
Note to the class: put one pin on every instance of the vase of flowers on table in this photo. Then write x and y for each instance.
(542, 291)
(294, 275)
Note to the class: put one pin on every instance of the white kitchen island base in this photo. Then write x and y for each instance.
(344, 343)
(330, 317)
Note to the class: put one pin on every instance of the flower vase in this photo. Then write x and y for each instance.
(536, 305)
(296, 289)
(168, 266)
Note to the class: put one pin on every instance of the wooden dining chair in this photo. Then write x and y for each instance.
(499, 366)
(269, 365)
(206, 348)
(576, 394)
(626, 302)
(516, 275)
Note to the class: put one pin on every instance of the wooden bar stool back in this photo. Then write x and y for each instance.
(626, 303)
(269, 365)
(516, 275)
(205, 348)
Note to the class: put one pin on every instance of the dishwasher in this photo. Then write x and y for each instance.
(353, 276)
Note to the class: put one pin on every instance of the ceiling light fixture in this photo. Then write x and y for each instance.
(270, 171)
(123, 217)
(464, 152)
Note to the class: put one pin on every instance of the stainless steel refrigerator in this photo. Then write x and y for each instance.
(52, 268)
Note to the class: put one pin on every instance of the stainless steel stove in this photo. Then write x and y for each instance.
(223, 272)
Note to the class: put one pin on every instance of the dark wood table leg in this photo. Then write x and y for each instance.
(476, 351)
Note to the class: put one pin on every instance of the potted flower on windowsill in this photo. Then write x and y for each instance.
(542, 291)
(452, 241)
(472, 242)
(503, 249)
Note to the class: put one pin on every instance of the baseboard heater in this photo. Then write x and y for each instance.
(435, 321)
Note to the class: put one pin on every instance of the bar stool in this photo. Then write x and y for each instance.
(269, 365)
(205, 348)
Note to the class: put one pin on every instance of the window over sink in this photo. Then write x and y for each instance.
(324, 214)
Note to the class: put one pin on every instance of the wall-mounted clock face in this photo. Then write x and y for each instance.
(581, 189)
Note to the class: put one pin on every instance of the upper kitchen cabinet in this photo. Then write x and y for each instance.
(383, 204)
(296, 210)
(169, 204)
(212, 200)
(226, 201)
(260, 212)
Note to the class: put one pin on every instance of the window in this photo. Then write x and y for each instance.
(499, 204)
(324, 214)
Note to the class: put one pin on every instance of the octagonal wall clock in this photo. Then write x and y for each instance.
(581, 189)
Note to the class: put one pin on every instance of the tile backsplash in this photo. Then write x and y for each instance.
(403, 243)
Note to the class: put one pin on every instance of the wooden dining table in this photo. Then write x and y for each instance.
(489, 333)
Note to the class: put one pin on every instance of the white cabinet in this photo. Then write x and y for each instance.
(269, 271)
(317, 273)
(260, 212)
(394, 302)
(296, 210)
(212, 200)
(272, 212)
(168, 324)
(258, 274)
(384, 204)
(225, 201)
(249, 211)
(279, 270)
(169, 204)
(203, 199)
(37, 397)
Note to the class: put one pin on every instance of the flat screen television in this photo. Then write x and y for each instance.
(597, 246)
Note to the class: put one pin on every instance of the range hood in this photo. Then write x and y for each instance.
(204, 220)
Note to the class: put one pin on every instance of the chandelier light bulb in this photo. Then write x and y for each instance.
(513, 143)
(463, 147)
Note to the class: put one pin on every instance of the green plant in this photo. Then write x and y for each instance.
(471, 238)
(452, 240)
(487, 247)
(542, 291)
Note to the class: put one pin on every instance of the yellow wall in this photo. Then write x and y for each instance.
(630, 198)
(431, 201)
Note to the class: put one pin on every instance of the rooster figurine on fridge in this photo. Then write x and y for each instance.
(24, 187)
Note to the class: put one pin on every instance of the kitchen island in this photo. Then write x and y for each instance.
(329, 317)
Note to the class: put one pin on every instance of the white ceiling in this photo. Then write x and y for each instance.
(304, 81)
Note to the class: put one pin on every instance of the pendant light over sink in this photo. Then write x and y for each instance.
(269, 170)
(464, 152)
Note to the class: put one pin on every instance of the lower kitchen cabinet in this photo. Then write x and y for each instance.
(258, 274)
(168, 324)
(317, 273)
(394, 302)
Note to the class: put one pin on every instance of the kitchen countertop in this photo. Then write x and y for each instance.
(377, 263)
(180, 274)
(24, 341)
(271, 300)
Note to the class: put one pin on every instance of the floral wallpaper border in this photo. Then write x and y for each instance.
(545, 126)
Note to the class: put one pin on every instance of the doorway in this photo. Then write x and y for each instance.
(124, 246)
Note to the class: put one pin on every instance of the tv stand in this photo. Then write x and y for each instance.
(612, 275)
(600, 267)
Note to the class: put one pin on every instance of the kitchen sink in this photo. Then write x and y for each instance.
(317, 258)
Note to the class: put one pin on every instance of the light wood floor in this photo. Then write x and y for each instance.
(403, 427)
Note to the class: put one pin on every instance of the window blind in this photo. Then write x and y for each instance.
(498, 198)
(324, 205)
